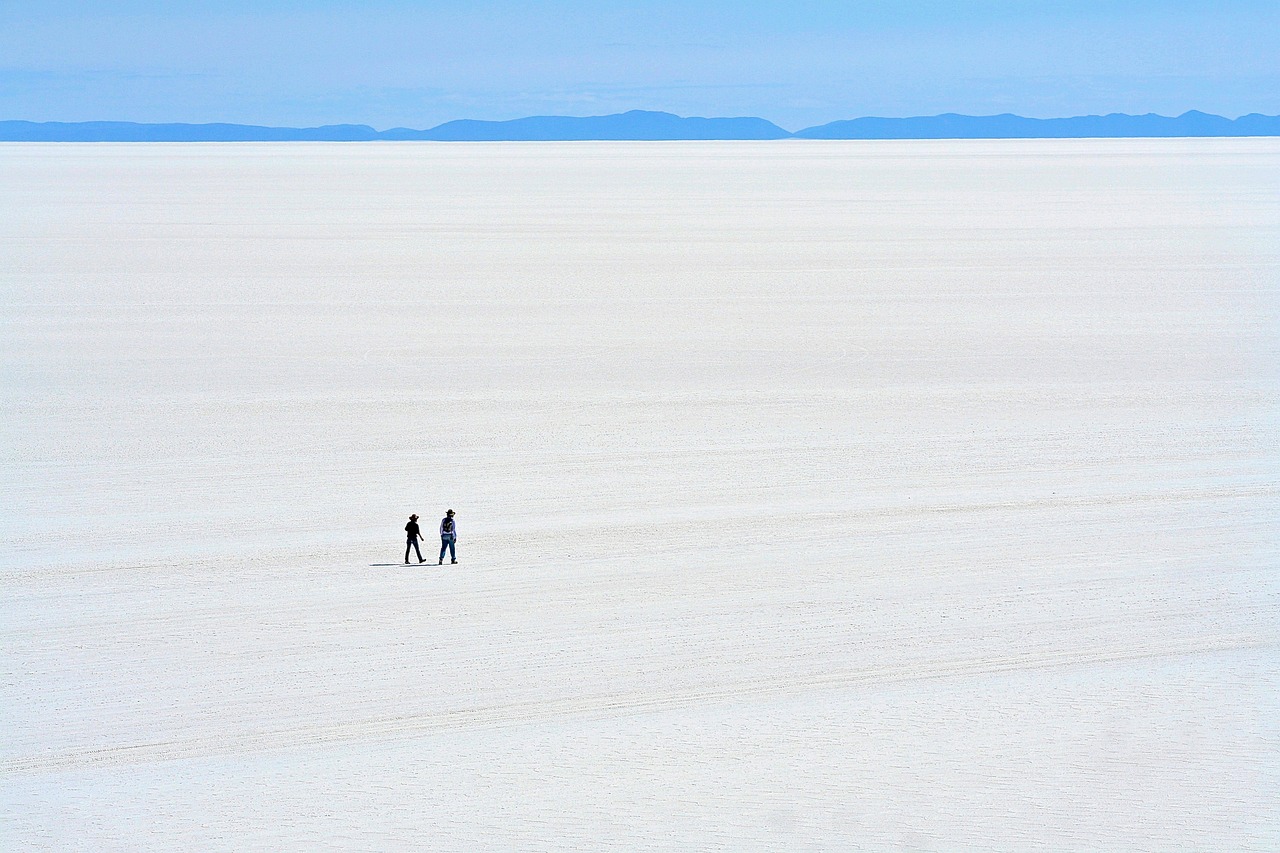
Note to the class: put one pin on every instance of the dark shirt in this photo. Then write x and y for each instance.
(412, 529)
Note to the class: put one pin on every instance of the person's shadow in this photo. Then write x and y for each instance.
(389, 565)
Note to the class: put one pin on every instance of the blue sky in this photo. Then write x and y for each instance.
(394, 63)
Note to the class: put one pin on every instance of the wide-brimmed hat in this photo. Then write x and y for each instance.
(449, 512)
(412, 517)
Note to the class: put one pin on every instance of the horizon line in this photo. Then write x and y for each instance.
(657, 125)
(644, 110)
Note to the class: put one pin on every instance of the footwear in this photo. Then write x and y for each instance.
(452, 562)
(406, 562)
(420, 560)
(441, 563)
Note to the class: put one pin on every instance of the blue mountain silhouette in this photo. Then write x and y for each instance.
(648, 125)
(952, 126)
(636, 124)
(126, 131)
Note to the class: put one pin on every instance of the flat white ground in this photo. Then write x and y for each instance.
(831, 496)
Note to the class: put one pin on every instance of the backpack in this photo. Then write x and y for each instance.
(447, 525)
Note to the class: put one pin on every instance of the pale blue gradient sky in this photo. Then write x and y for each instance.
(396, 63)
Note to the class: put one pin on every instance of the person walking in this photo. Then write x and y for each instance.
(448, 536)
(414, 535)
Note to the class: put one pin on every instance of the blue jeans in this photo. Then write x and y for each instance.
(414, 543)
(446, 544)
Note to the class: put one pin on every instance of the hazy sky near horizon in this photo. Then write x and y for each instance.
(391, 63)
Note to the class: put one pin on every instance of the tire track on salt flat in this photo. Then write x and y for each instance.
(742, 520)
(409, 726)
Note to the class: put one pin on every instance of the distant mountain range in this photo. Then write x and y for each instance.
(647, 125)
(1115, 125)
(637, 124)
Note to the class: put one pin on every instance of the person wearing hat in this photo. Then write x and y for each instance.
(414, 535)
(448, 536)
